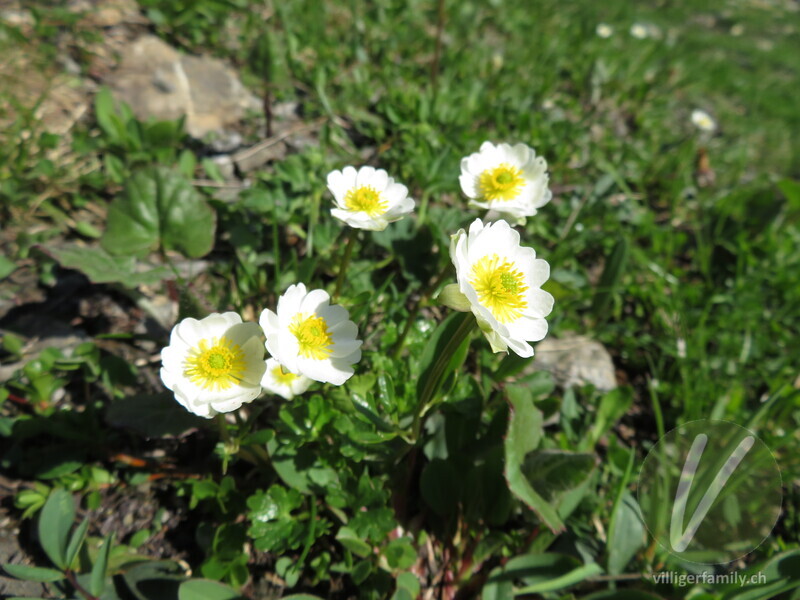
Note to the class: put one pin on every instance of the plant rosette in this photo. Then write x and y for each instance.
(500, 281)
(215, 364)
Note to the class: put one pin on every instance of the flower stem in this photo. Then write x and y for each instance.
(348, 252)
(412, 315)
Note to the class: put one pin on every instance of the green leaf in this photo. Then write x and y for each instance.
(97, 582)
(153, 416)
(613, 405)
(524, 433)
(612, 274)
(75, 541)
(301, 597)
(444, 353)
(780, 572)
(400, 553)
(205, 589)
(348, 538)
(554, 471)
(408, 582)
(568, 579)
(33, 573)
(55, 522)
(626, 534)
(105, 113)
(159, 208)
(154, 579)
(7, 267)
(101, 267)
(791, 190)
(300, 468)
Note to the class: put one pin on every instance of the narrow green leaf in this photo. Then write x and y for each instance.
(104, 112)
(55, 521)
(572, 578)
(626, 534)
(444, 353)
(76, 541)
(612, 273)
(33, 573)
(613, 405)
(97, 583)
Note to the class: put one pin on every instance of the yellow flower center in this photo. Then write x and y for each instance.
(283, 377)
(366, 199)
(500, 287)
(501, 183)
(313, 337)
(215, 364)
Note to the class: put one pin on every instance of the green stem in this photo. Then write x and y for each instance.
(348, 252)
(223, 429)
(398, 347)
(434, 382)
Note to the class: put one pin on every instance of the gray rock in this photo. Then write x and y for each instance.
(159, 82)
(576, 360)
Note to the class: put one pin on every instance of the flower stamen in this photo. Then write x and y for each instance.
(215, 364)
(313, 338)
(366, 199)
(503, 183)
(283, 377)
(500, 287)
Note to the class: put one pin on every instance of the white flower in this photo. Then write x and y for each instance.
(604, 30)
(507, 179)
(214, 365)
(639, 31)
(368, 198)
(308, 336)
(284, 383)
(501, 281)
(703, 121)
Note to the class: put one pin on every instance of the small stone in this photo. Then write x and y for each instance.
(158, 82)
(576, 360)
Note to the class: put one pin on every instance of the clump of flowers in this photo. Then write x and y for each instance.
(511, 180)
(217, 364)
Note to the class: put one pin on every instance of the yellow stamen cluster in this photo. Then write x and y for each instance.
(366, 199)
(500, 287)
(215, 364)
(283, 377)
(504, 183)
(313, 338)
